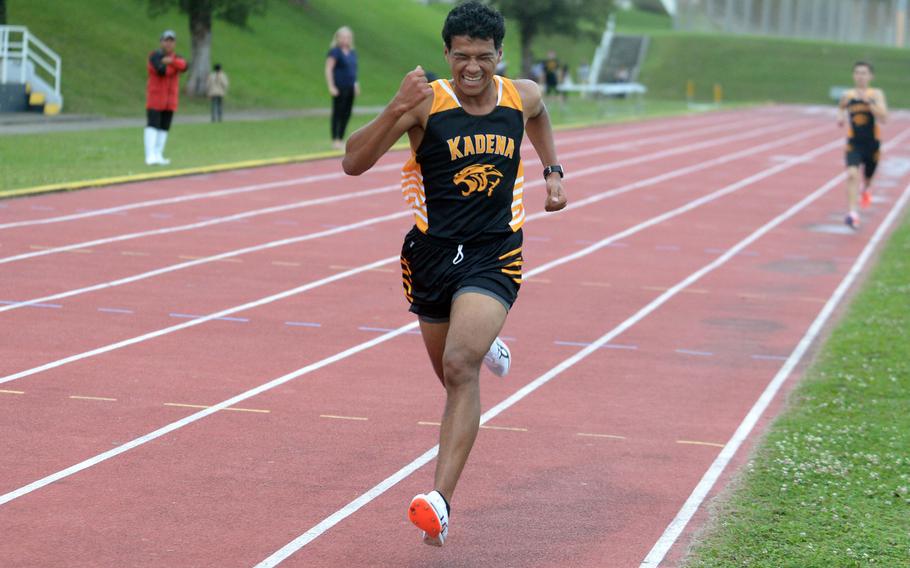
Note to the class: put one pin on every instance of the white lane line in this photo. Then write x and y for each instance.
(599, 137)
(575, 205)
(667, 138)
(429, 454)
(207, 223)
(698, 167)
(385, 189)
(6, 498)
(195, 322)
(569, 258)
(191, 197)
(676, 526)
(383, 486)
(204, 260)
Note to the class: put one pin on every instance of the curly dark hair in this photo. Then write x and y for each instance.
(475, 20)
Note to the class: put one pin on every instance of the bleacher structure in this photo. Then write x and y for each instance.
(29, 73)
(615, 67)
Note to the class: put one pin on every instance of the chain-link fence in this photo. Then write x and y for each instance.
(881, 22)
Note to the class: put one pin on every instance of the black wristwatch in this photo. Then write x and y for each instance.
(554, 168)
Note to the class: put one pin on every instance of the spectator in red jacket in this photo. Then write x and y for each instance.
(164, 68)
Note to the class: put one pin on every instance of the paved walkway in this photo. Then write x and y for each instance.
(33, 123)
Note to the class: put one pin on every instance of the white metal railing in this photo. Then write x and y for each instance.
(602, 51)
(21, 52)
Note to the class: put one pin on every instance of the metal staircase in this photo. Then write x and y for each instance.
(29, 73)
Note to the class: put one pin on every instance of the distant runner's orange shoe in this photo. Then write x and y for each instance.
(866, 198)
(430, 514)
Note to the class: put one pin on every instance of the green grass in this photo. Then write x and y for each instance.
(642, 22)
(767, 69)
(277, 63)
(105, 153)
(830, 485)
(97, 154)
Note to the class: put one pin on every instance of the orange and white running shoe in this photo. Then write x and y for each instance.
(498, 359)
(865, 199)
(430, 514)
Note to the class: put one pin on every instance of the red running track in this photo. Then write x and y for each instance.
(104, 465)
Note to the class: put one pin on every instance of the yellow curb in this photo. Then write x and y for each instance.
(116, 180)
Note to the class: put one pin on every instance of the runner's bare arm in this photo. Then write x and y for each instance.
(540, 133)
(842, 108)
(403, 113)
(878, 105)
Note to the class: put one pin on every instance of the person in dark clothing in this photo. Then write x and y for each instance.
(552, 73)
(341, 77)
(164, 68)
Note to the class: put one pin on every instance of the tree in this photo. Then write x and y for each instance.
(2, 12)
(202, 13)
(535, 16)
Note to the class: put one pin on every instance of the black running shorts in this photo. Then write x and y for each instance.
(434, 273)
(865, 154)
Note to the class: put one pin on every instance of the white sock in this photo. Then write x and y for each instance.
(150, 136)
(160, 141)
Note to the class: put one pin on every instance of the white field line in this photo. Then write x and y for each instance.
(353, 226)
(341, 275)
(190, 197)
(701, 491)
(356, 194)
(383, 486)
(561, 140)
(206, 223)
(379, 489)
(208, 259)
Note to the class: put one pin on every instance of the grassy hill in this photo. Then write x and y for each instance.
(767, 69)
(277, 62)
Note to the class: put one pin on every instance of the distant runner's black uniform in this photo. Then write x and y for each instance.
(863, 141)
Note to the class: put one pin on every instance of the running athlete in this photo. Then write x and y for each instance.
(461, 263)
(866, 108)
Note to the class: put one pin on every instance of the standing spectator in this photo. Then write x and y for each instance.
(216, 86)
(552, 73)
(341, 77)
(164, 68)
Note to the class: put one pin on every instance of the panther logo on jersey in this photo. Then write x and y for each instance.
(478, 178)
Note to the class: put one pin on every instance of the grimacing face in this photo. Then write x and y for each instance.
(167, 44)
(472, 62)
(862, 76)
